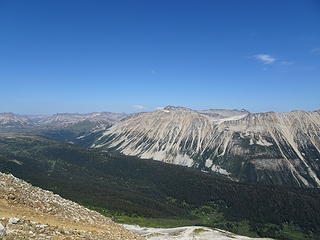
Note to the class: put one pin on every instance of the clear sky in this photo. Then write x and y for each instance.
(137, 55)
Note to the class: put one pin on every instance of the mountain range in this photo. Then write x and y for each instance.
(266, 148)
(11, 120)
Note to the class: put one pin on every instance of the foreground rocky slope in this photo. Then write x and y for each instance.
(28, 212)
(272, 148)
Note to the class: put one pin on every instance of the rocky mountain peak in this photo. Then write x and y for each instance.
(270, 147)
(176, 108)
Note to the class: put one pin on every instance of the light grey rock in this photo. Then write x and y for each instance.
(41, 226)
(14, 220)
(2, 230)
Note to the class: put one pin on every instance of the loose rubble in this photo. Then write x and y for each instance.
(28, 212)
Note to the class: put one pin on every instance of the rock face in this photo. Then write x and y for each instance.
(272, 148)
(28, 212)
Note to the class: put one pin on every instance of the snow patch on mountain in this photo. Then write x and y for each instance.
(186, 233)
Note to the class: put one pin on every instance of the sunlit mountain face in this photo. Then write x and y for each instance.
(270, 148)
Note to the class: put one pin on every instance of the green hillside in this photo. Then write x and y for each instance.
(157, 194)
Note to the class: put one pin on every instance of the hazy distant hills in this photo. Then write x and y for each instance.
(67, 119)
(57, 120)
(10, 121)
(68, 127)
(270, 148)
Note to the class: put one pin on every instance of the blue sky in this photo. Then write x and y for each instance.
(137, 55)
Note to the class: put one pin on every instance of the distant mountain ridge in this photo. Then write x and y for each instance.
(11, 121)
(65, 119)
